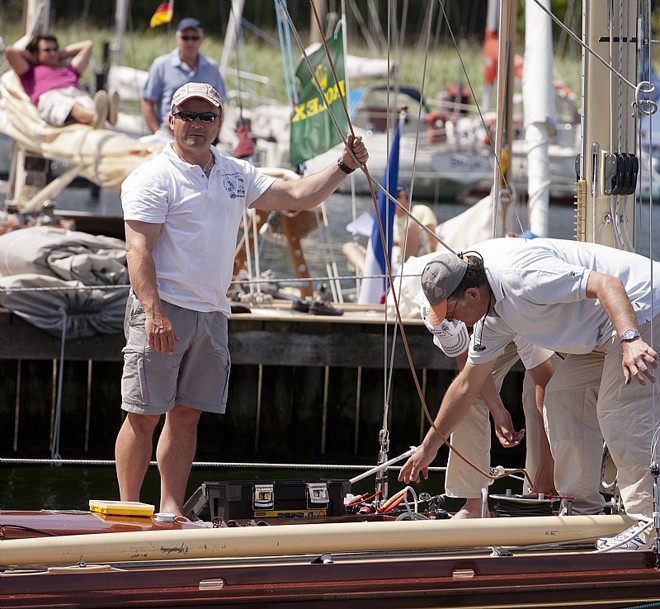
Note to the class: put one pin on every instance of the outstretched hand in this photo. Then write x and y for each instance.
(417, 464)
(504, 429)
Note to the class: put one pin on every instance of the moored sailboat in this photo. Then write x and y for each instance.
(427, 562)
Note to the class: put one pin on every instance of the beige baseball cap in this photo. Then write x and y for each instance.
(196, 89)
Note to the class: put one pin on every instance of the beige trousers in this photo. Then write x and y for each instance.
(587, 402)
(472, 437)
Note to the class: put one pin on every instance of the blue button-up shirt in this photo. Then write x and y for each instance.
(168, 73)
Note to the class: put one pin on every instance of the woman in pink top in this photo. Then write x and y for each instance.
(54, 87)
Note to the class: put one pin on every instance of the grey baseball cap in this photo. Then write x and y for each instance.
(440, 278)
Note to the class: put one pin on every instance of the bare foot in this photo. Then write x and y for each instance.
(471, 509)
(465, 513)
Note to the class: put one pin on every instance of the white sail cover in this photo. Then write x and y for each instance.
(103, 157)
(57, 279)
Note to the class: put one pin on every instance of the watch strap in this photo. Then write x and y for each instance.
(344, 167)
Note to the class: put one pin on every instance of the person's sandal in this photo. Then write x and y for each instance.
(101, 105)
(113, 108)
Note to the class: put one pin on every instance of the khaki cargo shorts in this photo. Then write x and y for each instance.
(196, 375)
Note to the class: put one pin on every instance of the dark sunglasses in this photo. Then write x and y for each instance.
(450, 316)
(188, 38)
(49, 50)
(189, 117)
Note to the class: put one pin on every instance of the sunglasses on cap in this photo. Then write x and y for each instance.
(189, 117)
(189, 38)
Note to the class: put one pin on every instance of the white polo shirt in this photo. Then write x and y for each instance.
(540, 287)
(200, 218)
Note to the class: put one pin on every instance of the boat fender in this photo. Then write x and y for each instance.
(435, 121)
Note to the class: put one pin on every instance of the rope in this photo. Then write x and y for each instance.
(512, 509)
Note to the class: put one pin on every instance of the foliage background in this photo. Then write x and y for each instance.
(78, 19)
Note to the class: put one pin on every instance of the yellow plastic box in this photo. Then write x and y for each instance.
(121, 508)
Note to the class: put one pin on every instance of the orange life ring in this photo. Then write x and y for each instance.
(435, 121)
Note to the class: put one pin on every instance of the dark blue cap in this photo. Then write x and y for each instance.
(189, 23)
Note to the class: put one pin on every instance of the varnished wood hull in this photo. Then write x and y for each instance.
(340, 578)
(566, 579)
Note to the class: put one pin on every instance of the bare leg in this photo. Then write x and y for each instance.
(133, 452)
(96, 116)
(175, 453)
(471, 509)
(355, 254)
(81, 114)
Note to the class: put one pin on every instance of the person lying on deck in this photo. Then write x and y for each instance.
(416, 240)
(53, 83)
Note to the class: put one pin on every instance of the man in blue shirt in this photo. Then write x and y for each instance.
(169, 72)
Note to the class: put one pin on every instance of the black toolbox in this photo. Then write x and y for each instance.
(257, 499)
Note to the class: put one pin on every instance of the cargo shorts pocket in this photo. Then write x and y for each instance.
(133, 381)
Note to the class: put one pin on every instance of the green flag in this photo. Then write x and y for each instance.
(312, 129)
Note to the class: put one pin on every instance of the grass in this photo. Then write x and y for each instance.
(443, 65)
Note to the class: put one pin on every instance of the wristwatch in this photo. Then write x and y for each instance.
(344, 167)
(629, 335)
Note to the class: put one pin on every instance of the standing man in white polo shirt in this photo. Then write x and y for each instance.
(169, 72)
(182, 212)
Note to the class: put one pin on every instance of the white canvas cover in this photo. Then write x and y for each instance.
(85, 277)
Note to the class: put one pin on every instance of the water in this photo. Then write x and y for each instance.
(323, 245)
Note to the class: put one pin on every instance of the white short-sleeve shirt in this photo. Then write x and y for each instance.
(540, 290)
(200, 217)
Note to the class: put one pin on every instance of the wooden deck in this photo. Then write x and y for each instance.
(300, 384)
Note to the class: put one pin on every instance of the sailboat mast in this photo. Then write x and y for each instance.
(539, 113)
(504, 133)
(121, 18)
(605, 204)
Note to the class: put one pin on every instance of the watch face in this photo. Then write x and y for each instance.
(629, 335)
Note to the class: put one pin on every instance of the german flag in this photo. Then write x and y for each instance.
(163, 14)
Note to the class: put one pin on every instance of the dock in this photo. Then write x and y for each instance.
(301, 384)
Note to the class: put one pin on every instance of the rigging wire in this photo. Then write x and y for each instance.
(291, 92)
(428, 21)
(382, 236)
(373, 183)
(585, 46)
